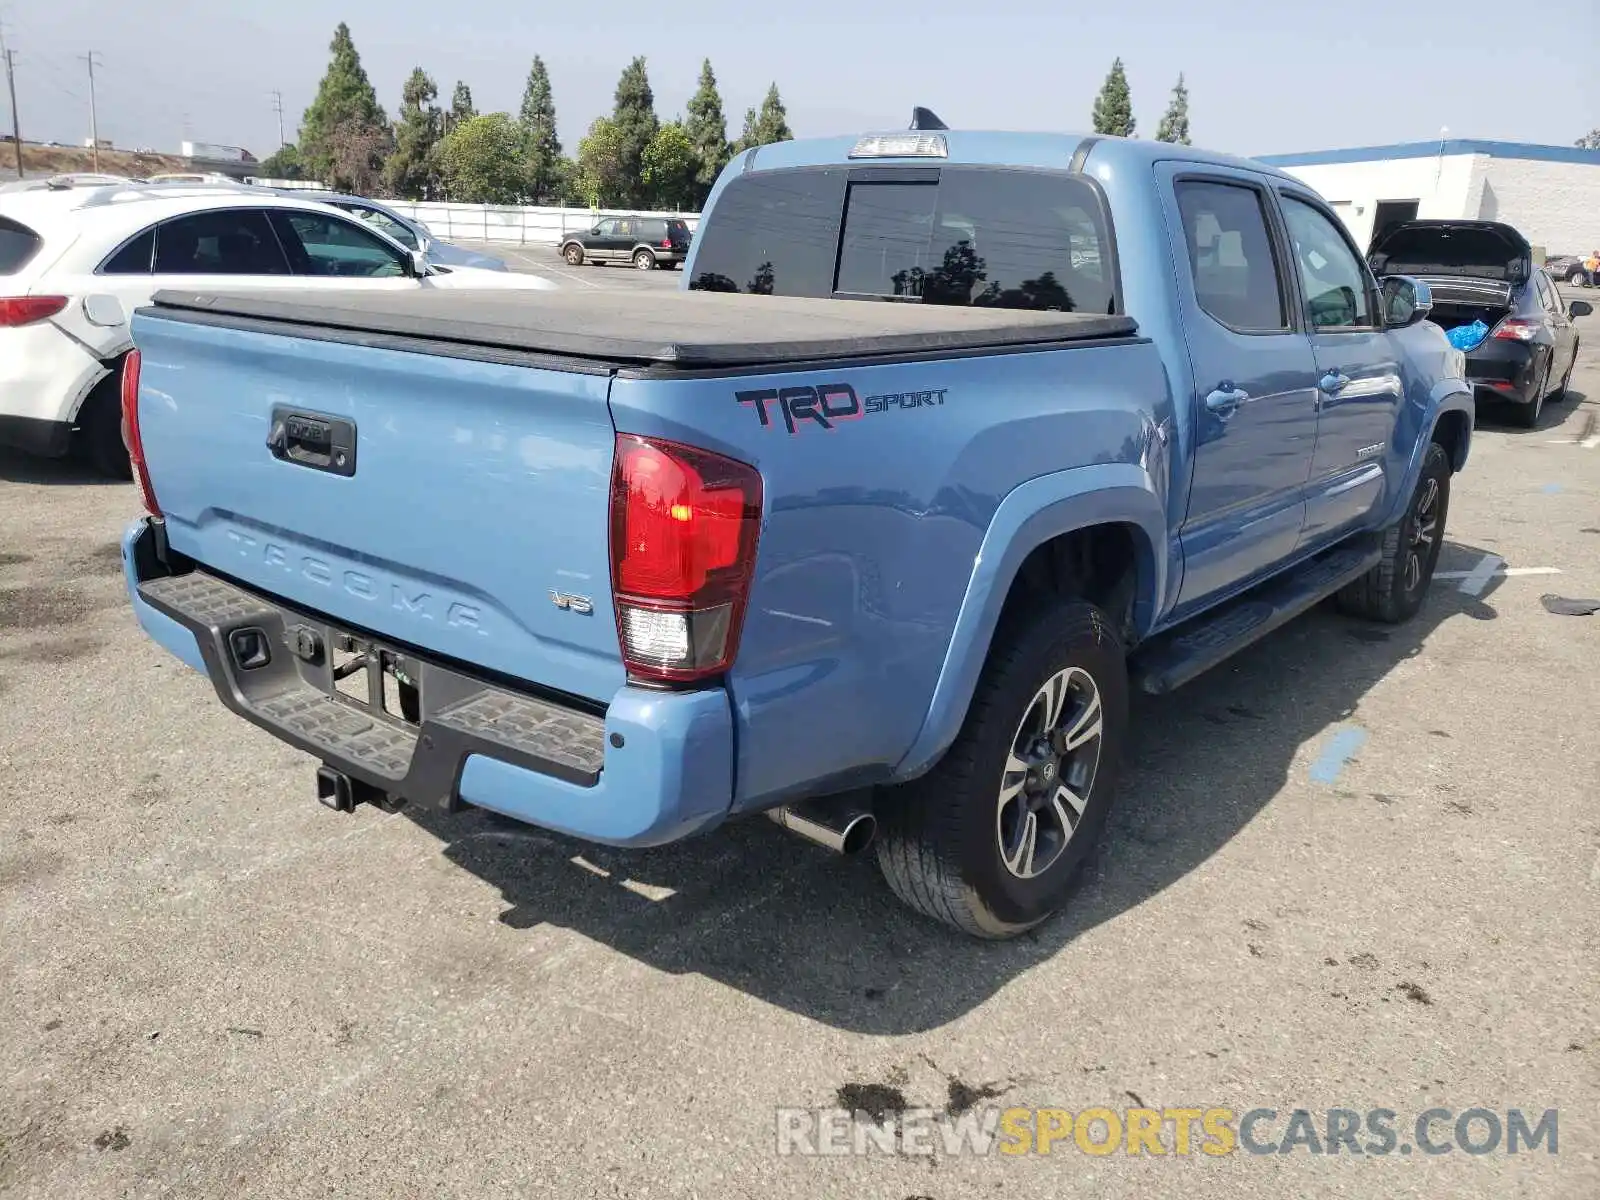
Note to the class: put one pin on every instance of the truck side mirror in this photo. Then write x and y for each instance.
(1406, 301)
(1579, 308)
(419, 265)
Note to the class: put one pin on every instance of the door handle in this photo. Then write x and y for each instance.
(1224, 398)
(1333, 382)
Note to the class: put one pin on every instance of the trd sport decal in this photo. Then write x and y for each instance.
(829, 403)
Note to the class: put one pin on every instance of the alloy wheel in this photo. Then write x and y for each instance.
(1049, 773)
(1424, 532)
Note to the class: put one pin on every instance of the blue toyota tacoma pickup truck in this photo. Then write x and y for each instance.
(950, 440)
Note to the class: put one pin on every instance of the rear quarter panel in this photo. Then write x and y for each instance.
(872, 531)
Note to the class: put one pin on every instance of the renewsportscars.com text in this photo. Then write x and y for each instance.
(1178, 1132)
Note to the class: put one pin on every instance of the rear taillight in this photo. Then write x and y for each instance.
(1516, 329)
(666, 243)
(130, 430)
(25, 310)
(684, 526)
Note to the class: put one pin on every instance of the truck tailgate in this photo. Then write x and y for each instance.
(469, 517)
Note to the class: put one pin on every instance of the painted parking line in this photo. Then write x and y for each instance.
(1475, 580)
(546, 268)
(1503, 572)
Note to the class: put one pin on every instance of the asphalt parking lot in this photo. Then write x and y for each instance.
(1357, 867)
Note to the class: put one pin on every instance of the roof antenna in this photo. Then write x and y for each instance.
(925, 118)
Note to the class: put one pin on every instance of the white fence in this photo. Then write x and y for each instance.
(518, 223)
(523, 224)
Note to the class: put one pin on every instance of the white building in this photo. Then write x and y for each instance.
(1550, 193)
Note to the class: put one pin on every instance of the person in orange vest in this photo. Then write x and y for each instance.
(1591, 265)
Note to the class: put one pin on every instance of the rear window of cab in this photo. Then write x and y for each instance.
(984, 237)
(18, 245)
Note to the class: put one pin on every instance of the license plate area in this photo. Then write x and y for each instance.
(381, 682)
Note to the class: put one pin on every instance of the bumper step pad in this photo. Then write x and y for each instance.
(294, 698)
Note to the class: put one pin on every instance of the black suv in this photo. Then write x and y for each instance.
(646, 242)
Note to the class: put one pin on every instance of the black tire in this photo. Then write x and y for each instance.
(644, 260)
(939, 843)
(573, 254)
(1527, 415)
(1566, 380)
(1392, 592)
(99, 434)
(1576, 279)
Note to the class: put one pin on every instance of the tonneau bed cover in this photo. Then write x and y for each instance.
(654, 329)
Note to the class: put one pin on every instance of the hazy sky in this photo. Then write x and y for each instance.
(1306, 77)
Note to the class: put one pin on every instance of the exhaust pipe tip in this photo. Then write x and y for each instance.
(845, 830)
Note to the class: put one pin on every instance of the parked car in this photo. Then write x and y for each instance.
(646, 242)
(1483, 271)
(1568, 269)
(61, 183)
(410, 233)
(677, 558)
(74, 263)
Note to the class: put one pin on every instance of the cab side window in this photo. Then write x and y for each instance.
(1231, 257)
(1335, 281)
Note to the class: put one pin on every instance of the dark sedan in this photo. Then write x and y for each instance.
(1482, 271)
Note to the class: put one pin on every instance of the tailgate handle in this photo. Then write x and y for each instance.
(315, 440)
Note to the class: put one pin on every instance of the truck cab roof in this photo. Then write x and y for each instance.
(995, 148)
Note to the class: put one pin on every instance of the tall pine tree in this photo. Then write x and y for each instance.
(345, 105)
(1113, 107)
(1174, 125)
(635, 122)
(708, 133)
(768, 124)
(542, 146)
(461, 110)
(412, 171)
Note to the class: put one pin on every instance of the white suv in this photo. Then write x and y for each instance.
(75, 264)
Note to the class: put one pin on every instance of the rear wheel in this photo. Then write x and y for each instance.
(1393, 590)
(643, 260)
(1527, 415)
(100, 428)
(990, 839)
(1566, 380)
(1576, 278)
(574, 255)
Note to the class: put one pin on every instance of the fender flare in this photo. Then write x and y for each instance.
(1446, 396)
(1032, 514)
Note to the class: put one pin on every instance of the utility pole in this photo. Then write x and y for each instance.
(16, 123)
(277, 107)
(94, 116)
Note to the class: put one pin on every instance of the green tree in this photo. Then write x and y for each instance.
(282, 164)
(481, 160)
(634, 120)
(670, 165)
(461, 109)
(1589, 141)
(707, 128)
(345, 101)
(601, 178)
(768, 124)
(412, 170)
(1113, 107)
(541, 146)
(1174, 125)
